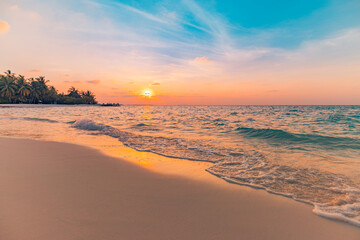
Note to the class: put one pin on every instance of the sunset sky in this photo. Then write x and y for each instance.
(189, 51)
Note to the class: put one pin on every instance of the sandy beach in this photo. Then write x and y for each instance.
(179, 120)
(51, 190)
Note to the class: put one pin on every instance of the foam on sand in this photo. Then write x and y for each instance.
(333, 195)
(54, 190)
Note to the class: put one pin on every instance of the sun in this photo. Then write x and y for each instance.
(147, 93)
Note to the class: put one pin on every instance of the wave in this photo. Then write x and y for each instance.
(141, 125)
(159, 145)
(40, 119)
(283, 137)
(344, 213)
(333, 196)
(145, 127)
(88, 125)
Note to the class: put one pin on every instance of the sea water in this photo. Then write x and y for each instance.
(308, 153)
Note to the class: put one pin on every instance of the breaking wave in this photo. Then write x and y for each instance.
(88, 125)
(283, 137)
(333, 196)
(40, 119)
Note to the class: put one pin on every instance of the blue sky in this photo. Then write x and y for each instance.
(254, 46)
(214, 25)
(284, 23)
(201, 24)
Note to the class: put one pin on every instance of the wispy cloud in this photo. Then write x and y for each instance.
(144, 14)
(64, 75)
(34, 71)
(68, 81)
(169, 18)
(175, 44)
(202, 60)
(216, 25)
(93, 81)
(4, 26)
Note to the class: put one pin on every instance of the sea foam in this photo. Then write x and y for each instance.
(86, 124)
(333, 195)
(307, 153)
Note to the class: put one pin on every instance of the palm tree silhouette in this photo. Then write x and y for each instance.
(88, 97)
(18, 89)
(73, 92)
(23, 87)
(8, 85)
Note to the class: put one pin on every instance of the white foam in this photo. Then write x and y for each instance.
(333, 196)
(344, 213)
(86, 124)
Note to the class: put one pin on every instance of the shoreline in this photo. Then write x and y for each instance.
(53, 190)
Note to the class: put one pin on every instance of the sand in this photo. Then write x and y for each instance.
(51, 190)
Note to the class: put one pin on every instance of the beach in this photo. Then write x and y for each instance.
(52, 190)
(171, 120)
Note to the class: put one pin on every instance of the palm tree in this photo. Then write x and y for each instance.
(9, 74)
(73, 92)
(8, 85)
(35, 92)
(15, 89)
(88, 97)
(42, 85)
(23, 87)
(51, 95)
(87, 93)
(41, 80)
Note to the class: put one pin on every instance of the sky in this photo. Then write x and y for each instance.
(188, 51)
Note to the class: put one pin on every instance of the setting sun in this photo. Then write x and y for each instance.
(147, 93)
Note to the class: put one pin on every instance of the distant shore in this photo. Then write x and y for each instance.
(65, 104)
(18, 89)
(56, 190)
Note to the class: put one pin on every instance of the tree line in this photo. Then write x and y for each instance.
(18, 89)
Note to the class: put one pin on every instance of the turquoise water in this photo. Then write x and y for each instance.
(308, 153)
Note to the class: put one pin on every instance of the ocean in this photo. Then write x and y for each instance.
(308, 153)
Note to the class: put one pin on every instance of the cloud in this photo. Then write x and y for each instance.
(273, 91)
(64, 75)
(218, 28)
(33, 15)
(4, 26)
(339, 50)
(130, 96)
(143, 13)
(93, 81)
(202, 60)
(341, 45)
(67, 81)
(14, 7)
(34, 71)
(163, 44)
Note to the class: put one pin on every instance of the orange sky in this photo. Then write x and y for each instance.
(118, 59)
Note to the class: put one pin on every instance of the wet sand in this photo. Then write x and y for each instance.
(51, 190)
